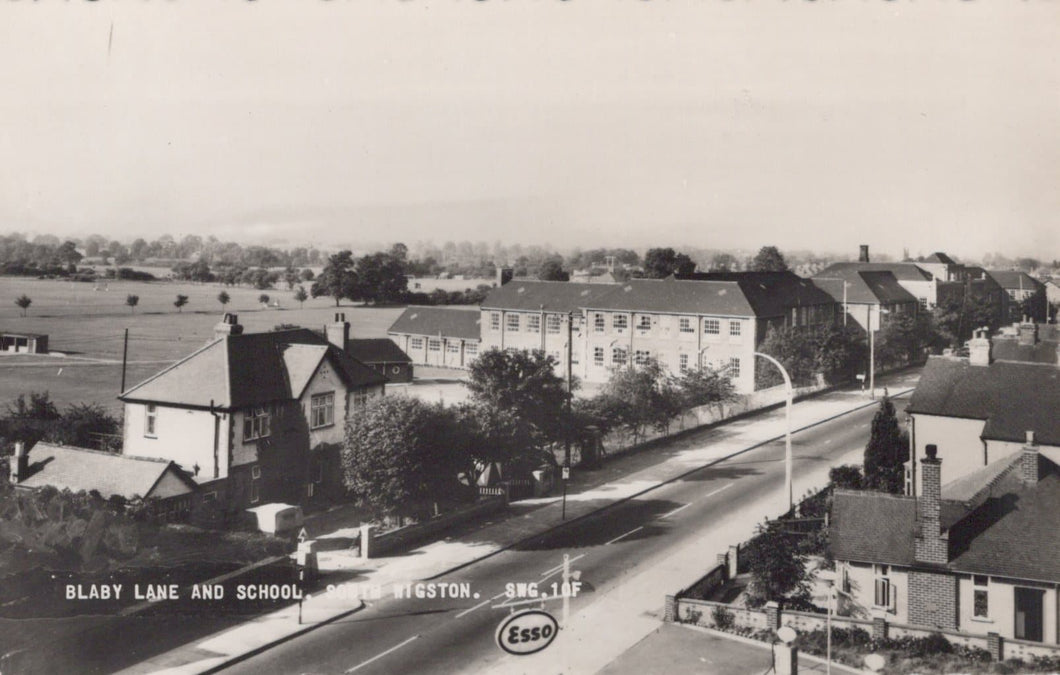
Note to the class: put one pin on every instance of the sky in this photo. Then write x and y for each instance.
(919, 124)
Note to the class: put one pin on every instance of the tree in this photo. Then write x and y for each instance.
(840, 353)
(846, 477)
(402, 455)
(338, 278)
(290, 277)
(660, 263)
(769, 259)
(777, 565)
(23, 301)
(132, 301)
(301, 296)
(552, 270)
(264, 298)
(886, 451)
(380, 277)
(223, 298)
(524, 382)
(724, 262)
(794, 348)
(86, 425)
(180, 302)
(639, 397)
(703, 386)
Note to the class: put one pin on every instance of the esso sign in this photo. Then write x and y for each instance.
(527, 632)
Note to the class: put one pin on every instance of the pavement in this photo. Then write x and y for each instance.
(587, 493)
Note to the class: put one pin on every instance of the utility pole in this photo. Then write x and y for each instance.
(570, 388)
(124, 359)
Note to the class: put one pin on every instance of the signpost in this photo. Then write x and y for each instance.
(566, 477)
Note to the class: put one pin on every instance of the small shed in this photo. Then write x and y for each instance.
(382, 355)
(277, 518)
(23, 343)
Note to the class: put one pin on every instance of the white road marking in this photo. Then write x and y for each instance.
(679, 508)
(499, 595)
(472, 609)
(622, 536)
(379, 656)
(552, 570)
(723, 487)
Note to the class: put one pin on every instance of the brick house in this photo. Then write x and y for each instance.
(253, 418)
(981, 407)
(1022, 292)
(384, 356)
(977, 555)
(868, 297)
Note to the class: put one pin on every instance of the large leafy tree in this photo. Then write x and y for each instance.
(955, 320)
(778, 567)
(338, 279)
(703, 386)
(660, 263)
(640, 397)
(886, 451)
(525, 383)
(380, 277)
(794, 347)
(552, 270)
(769, 259)
(401, 456)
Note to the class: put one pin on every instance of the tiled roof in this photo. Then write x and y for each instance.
(720, 298)
(239, 371)
(771, 293)
(1012, 397)
(902, 271)
(445, 321)
(1016, 279)
(77, 469)
(550, 296)
(939, 257)
(865, 287)
(1043, 351)
(377, 350)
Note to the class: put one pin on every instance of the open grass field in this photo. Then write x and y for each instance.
(87, 326)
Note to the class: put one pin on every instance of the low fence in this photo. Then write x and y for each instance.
(411, 534)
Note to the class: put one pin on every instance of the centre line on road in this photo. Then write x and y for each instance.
(723, 487)
(679, 508)
(379, 656)
(472, 609)
(624, 535)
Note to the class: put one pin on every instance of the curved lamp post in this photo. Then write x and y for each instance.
(789, 394)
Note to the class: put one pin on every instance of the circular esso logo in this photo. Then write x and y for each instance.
(527, 632)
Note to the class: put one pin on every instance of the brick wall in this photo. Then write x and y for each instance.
(933, 600)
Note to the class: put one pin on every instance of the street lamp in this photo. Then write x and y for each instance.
(789, 394)
(873, 327)
(830, 577)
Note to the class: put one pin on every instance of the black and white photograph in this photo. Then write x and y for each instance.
(527, 337)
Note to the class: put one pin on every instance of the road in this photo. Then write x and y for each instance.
(609, 548)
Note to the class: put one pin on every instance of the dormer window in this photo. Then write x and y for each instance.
(257, 423)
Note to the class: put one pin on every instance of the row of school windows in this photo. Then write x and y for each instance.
(620, 357)
(513, 323)
(451, 347)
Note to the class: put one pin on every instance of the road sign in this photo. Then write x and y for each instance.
(526, 632)
(303, 535)
(566, 473)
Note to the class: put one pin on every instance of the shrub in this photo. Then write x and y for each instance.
(723, 618)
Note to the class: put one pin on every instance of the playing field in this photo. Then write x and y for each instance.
(85, 324)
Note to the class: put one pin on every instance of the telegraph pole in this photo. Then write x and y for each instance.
(124, 359)
(570, 386)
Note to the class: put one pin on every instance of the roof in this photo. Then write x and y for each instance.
(12, 333)
(1043, 351)
(722, 298)
(1012, 397)
(865, 287)
(446, 321)
(376, 350)
(770, 293)
(939, 257)
(75, 469)
(903, 271)
(239, 371)
(1015, 279)
(549, 296)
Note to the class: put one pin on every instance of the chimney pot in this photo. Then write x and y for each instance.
(1030, 437)
(932, 451)
(20, 466)
(1029, 461)
(229, 326)
(864, 255)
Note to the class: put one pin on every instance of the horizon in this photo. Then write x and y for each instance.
(697, 125)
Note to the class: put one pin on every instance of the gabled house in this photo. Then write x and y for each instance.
(978, 555)
(869, 298)
(1025, 297)
(253, 418)
(384, 356)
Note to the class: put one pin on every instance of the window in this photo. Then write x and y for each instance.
(554, 323)
(255, 472)
(471, 349)
(734, 328)
(434, 345)
(416, 343)
(256, 423)
(734, 366)
(644, 322)
(712, 326)
(511, 323)
(683, 361)
(318, 471)
(885, 595)
(641, 356)
(533, 323)
(923, 303)
(618, 356)
(452, 347)
(598, 356)
(151, 421)
(360, 399)
(495, 320)
(620, 321)
(686, 325)
(209, 497)
(255, 484)
(598, 323)
(322, 410)
(980, 600)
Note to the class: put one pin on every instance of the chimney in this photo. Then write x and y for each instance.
(338, 332)
(864, 257)
(1028, 332)
(20, 463)
(1029, 471)
(979, 348)
(930, 546)
(504, 275)
(229, 326)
